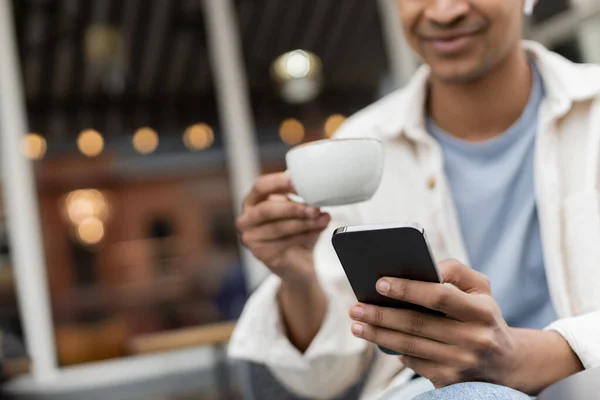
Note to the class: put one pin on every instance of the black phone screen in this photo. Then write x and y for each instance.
(370, 254)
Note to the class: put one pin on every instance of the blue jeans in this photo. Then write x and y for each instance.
(475, 391)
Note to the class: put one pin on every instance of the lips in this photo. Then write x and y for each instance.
(451, 45)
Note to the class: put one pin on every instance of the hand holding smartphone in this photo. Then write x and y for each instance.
(397, 250)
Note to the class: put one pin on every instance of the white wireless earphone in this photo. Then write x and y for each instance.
(529, 5)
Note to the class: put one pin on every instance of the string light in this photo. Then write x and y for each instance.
(333, 123)
(90, 143)
(33, 146)
(145, 140)
(291, 131)
(198, 137)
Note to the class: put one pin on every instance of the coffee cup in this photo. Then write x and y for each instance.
(335, 172)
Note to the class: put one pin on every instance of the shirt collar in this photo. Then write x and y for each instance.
(565, 83)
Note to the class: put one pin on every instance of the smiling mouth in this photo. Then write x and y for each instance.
(451, 45)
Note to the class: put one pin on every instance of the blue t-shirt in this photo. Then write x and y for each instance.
(493, 188)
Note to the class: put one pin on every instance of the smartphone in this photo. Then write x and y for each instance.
(529, 7)
(398, 250)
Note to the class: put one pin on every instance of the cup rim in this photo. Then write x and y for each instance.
(323, 141)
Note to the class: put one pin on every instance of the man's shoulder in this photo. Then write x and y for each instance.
(565, 78)
(590, 73)
(583, 79)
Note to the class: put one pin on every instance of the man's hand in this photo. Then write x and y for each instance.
(282, 234)
(472, 343)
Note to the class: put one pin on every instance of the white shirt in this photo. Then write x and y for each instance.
(567, 170)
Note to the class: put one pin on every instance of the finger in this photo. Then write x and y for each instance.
(466, 279)
(270, 211)
(280, 255)
(278, 197)
(446, 299)
(441, 329)
(440, 375)
(267, 185)
(406, 344)
(285, 229)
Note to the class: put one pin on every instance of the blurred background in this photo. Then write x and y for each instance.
(129, 130)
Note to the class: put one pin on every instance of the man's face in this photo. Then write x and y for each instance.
(462, 40)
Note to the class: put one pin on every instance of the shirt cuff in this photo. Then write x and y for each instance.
(260, 333)
(582, 333)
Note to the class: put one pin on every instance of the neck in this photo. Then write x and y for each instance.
(485, 108)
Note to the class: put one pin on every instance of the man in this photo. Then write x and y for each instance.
(494, 148)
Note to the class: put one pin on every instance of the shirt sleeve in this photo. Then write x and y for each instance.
(582, 333)
(334, 361)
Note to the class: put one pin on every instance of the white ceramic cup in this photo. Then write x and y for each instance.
(335, 172)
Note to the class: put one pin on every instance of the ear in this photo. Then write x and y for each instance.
(529, 6)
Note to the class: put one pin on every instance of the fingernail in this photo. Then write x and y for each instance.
(323, 220)
(383, 286)
(357, 329)
(357, 311)
(311, 212)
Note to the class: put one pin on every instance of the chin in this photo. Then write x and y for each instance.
(458, 74)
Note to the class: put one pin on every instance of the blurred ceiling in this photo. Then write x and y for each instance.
(116, 65)
(345, 33)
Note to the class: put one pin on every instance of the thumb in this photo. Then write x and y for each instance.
(464, 278)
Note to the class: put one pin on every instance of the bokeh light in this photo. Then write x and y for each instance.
(299, 75)
(291, 131)
(90, 231)
(84, 204)
(90, 143)
(297, 63)
(198, 137)
(145, 140)
(333, 123)
(33, 146)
